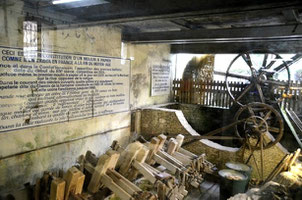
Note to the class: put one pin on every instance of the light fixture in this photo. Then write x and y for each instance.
(63, 1)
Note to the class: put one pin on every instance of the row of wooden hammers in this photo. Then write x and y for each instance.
(118, 167)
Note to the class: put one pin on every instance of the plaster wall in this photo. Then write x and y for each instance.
(26, 153)
(143, 58)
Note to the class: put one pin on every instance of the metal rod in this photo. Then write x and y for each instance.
(261, 156)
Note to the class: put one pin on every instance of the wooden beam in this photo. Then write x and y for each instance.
(162, 138)
(123, 182)
(170, 159)
(180, 139)
(182, 158)
(153, 147)
(172, 168)
(239, 47)
(144, 171)
(80, 184)
(71, 178)
(57, 189)
(172, 146)
(187, 153)
(105, 162)
(131, 153)
(276, 33)
(205, 12)
(108, 182)
(100, 169)
(140, 158)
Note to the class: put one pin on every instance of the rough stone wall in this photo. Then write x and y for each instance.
(200, 68)
(155, 122)
(159, 119)
(205, 119)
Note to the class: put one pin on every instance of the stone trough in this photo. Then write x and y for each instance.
(171, 119)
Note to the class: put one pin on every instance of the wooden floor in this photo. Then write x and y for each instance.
(208, 191)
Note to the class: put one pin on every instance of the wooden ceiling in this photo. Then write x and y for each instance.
(185, 24)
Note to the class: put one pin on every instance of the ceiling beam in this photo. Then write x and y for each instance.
(167, 10)
(120, 18)
(294, 47)
(286, 32)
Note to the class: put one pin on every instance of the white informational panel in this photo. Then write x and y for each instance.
(58, 87)
(160, 79)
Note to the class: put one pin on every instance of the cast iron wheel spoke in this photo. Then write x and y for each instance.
(273, 129)
(252, 151)
(266, 117)
(261, 155)
(247, 59)
(273, 61)
(260, 93)
(233, 75)
(253, 72)
(252, 155)
(244, 92)
(264, 60)
(253, 113)
(270, 64)
(264, 142)
(239, 76)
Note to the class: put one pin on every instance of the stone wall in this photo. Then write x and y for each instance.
(166, 119)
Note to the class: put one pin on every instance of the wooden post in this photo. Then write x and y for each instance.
(162, 139)
(180, 139)
(153, 147)
(138, 116)
(80, 184)
(106, 161)
(37, 189)
(172, 146)
(71, 178)
(57, 189)
(296, 154)
(181, 93)
(140, 158)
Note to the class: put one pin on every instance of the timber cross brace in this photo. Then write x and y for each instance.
(104, 175)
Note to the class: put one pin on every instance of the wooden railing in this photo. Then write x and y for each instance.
(294, 100)
(215, 94)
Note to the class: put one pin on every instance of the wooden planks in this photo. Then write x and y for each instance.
(214, 93)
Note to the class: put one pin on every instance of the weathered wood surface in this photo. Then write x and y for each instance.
(71, 177)
(214, 93)
(57, 189)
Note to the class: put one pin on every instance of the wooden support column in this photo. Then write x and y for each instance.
(172, 146)
(71, 178)
(153, 147)
(138, 116)
(57, 189)
(162, 139)
(179, 140)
